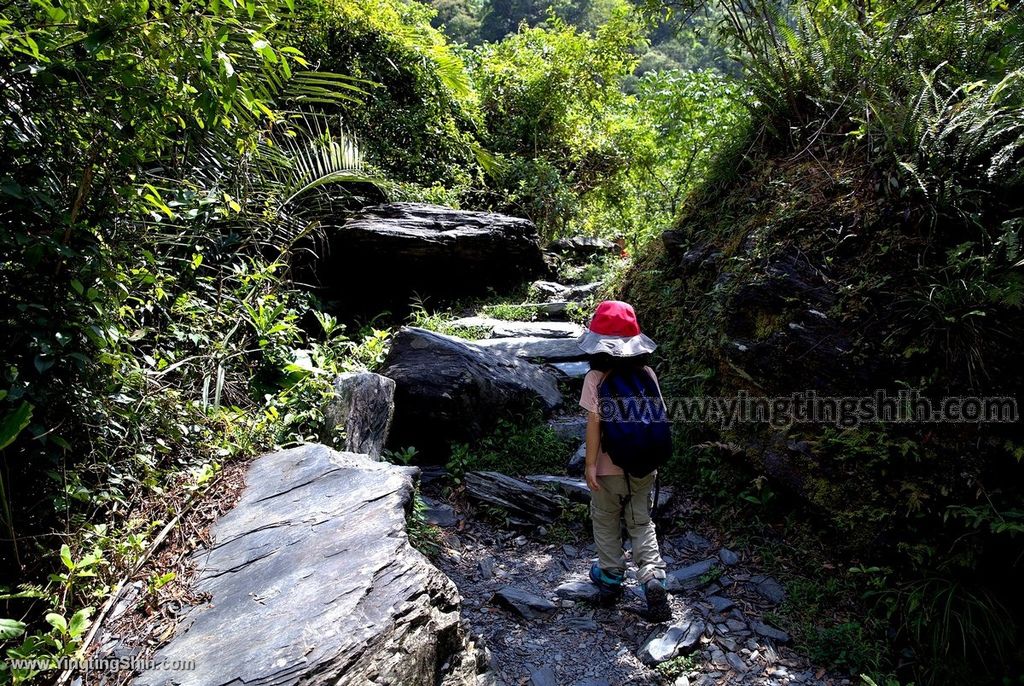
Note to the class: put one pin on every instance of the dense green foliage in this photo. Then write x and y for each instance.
(418, 123)
(574, 152)
(156, 174)
(684, 38)
(554, 115)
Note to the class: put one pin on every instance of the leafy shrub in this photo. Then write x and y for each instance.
(418, 113)
(555, 117)
(153, 190)
(525, 445)
(423, 536)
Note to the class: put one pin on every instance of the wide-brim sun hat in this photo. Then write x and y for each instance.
(614, 331)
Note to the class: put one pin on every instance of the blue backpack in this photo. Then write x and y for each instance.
(634, 424)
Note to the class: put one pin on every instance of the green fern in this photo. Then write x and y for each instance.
(310, 155)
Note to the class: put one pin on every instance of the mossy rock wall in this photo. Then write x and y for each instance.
(818, 276)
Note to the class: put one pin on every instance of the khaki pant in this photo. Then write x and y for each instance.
(616, 501)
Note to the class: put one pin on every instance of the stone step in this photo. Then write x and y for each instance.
(552, 290)
(575, 489)
(536, 348)
(582, 247)
(500, 328)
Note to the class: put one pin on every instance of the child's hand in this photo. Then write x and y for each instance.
(591, 474)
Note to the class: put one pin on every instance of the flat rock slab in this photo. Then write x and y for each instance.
(525, 504)
(439, 514)
(547, 289)
(736, 662)
(500, 328)
(681, 638)
(689, 576)
(536, 348)
(311, 580)
(555, 292)
(769, 589)
(528, 605)
(721, 604)
(767, 631)
(572, 370)
(736, 625)
(583, 246)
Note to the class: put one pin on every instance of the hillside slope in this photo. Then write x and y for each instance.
(819, 273)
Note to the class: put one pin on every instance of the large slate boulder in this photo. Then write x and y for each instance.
(363, 405)
(385, 254)
(450, 390)
(311, 580)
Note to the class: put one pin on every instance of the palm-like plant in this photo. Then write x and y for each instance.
(308, 156)
(297, 177)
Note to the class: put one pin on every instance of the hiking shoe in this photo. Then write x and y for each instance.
(658, 609)
(609, 586)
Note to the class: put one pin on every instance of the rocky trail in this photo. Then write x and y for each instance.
(528, 599)
(310, 578)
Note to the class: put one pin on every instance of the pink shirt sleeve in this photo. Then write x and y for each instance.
(588, 398)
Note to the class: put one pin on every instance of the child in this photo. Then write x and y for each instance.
(616, 345)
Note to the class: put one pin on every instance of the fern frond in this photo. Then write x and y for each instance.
(309, 156)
